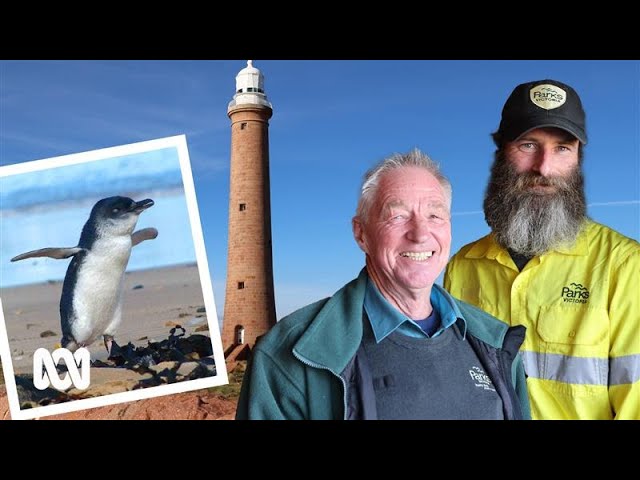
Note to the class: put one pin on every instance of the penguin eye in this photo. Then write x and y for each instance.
(115, 210)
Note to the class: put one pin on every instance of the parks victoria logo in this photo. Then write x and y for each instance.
(481, 379)
(547, 96)
(575, 293)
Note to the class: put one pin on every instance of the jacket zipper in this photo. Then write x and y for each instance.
(322, 367)
(511, 393)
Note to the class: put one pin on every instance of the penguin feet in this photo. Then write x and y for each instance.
(69, 344)
(108, 342)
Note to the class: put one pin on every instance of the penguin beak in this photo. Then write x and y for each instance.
(142, 205)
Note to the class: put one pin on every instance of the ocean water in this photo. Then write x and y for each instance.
(59, 225)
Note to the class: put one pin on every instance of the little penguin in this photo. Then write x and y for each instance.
(91, 301)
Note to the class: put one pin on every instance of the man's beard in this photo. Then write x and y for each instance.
(529, 222)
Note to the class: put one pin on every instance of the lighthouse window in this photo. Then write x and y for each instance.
(243, 125)
(240, 285)
(243, 207)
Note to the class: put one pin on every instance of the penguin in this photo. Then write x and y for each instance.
(91, 301)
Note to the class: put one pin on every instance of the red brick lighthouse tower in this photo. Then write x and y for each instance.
(249, 307)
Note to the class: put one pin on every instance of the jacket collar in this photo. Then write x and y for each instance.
(333, 337)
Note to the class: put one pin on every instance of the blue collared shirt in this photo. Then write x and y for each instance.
(385, 318)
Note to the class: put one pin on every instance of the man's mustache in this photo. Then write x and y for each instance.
(529, 179)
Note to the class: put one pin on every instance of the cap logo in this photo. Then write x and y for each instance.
(547, 96)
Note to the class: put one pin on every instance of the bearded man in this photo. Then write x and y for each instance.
(571, 282)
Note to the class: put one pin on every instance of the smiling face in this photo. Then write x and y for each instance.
(407, 235)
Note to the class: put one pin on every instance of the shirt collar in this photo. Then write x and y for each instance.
(580, 247)
(385, 318)
(488, 247)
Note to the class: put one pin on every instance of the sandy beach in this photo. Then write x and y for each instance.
(155, 302)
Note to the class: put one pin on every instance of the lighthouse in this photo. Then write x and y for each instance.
(249, 307)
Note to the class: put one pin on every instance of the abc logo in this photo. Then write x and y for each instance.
(77, 369)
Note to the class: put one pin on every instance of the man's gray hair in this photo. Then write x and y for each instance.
(415, 158)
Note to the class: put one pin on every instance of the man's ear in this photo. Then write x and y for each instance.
(358, 234)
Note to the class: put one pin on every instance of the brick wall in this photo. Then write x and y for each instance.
(249, 257)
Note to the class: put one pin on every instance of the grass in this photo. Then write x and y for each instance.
(231, 391)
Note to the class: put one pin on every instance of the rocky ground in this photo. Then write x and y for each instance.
(154, 302)
(217, 403)
(178, 358)
(164, 338)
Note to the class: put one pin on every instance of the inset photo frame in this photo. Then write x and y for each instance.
(105, 291)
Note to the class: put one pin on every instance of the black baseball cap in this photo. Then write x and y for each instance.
(543, 103)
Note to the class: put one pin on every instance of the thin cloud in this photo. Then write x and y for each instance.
(38, 142)
(593, 204)
(462, 214)
(614, 204)
(206, 165)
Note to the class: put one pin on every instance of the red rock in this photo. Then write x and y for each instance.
(198, 405)
(4, 404)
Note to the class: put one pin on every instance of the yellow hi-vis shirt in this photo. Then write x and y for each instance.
(581, 307)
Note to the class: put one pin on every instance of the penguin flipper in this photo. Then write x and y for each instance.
(51, 252)
(142, 235)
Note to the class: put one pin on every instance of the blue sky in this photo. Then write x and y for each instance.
(157, 169)
(332, 121)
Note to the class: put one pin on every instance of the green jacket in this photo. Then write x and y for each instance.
(310, 364)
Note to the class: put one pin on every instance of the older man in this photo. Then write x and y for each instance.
(391, 344)
(571, 282)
